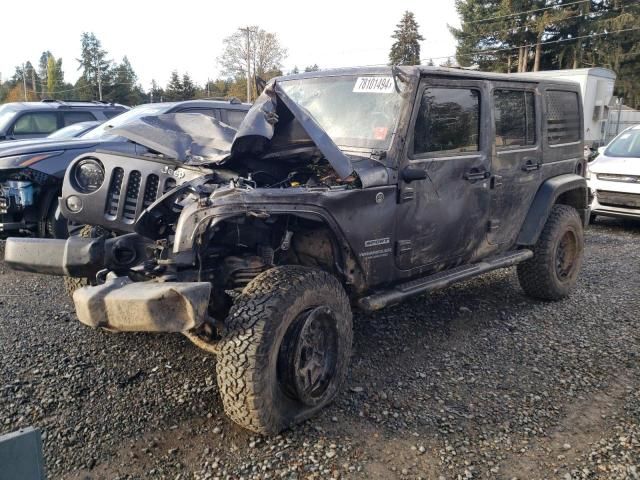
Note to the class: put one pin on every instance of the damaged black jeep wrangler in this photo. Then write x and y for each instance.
(341, 189)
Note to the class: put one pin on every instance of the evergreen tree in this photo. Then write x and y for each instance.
(406, 48)
(125, 89)
(174, 88)
(189, 88)
(156, 93)
(93, 63)
(531, 35)
(314, 67)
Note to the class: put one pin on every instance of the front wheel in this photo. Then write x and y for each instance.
(557, 256)
(285, 348)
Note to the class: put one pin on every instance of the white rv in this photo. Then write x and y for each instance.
(596, 85)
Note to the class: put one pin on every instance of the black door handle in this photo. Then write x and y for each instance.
(475, 175)
(530, 166)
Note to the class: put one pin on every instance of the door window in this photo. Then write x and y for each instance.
(36, 123)
(515, 118)
(76, 117)
(448, 121)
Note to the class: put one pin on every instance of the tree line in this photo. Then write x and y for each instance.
(495, 35)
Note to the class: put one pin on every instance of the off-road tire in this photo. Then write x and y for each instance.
(539, 276)
(71, 284)
(248, 368)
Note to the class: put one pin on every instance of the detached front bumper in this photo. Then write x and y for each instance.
(119, 304)
(122, 305)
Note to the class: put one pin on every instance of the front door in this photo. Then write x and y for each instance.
(442, 219)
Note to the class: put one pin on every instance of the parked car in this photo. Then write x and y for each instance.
(75, 130)
(20, 120)
(357, 187)
(614, 177)
(31, 172)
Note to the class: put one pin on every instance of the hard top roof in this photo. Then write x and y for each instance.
(424, 70)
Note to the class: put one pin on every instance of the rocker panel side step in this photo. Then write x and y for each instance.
(396, 294)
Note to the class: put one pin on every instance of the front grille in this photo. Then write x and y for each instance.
(131, 192)
(132, 184)
(113, 197)
(618, 199)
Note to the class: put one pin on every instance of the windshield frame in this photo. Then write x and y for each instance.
(635, 131)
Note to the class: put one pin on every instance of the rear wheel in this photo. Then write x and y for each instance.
(285, 348)
(71, 284)
(557, 256)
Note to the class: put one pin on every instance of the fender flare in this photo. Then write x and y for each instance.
(569, 189)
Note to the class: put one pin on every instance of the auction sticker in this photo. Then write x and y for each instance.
(374, 85)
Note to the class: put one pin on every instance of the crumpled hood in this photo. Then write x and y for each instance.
(189, 137)
(194, 138)
(259, 127)
(616, 165)
(10, 149)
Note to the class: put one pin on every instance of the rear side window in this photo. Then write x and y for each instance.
(75, 117)
(563, 117)
(448, 121)
(515, 118)
(36, 123)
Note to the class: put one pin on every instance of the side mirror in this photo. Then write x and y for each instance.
(409, 174)
(601, 150)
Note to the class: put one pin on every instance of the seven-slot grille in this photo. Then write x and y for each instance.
(130, 193)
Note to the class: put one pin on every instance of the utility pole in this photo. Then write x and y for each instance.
(247, 30)
(99, 83)
(24, 81)
(208, 89)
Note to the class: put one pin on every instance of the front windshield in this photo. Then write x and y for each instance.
(102, 132)
(359, 112)
(626, 145)
(6, 114)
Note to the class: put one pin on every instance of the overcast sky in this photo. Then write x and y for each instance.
(187, 35)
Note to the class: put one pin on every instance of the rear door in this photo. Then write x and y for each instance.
(442, 219)
(516, 159)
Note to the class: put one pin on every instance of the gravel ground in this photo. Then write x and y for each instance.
(476, 381)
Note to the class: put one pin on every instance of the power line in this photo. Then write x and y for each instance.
(484, 52)
(514, 29)
(528, 11)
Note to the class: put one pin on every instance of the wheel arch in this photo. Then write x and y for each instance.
(568, 189)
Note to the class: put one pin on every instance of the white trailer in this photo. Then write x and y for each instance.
(596, 86)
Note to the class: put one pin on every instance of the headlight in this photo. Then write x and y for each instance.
(88, 175)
